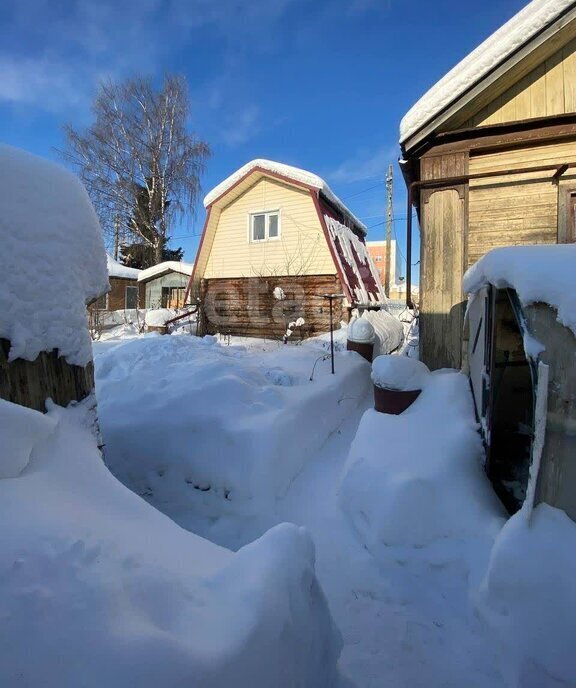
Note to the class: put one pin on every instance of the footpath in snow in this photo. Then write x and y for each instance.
(428, 583)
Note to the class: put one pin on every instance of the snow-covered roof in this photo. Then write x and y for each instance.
(52, 259)
(294, 173)
(167, 266)
(494, 50)
(356, 267)
(538, 274)
(116, 269)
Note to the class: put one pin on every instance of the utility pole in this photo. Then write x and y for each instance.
(389, 221)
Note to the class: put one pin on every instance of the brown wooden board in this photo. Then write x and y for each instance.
(30, 383)
(247, 306)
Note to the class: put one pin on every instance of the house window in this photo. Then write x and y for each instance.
(265, 226)
(378, 259)
(131, 299)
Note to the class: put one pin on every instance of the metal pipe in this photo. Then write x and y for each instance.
(558, 168)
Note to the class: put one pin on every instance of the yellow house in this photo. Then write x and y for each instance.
(275, 241)
(489, 158)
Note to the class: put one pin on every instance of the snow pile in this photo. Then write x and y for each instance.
(529, 596)
(99, 589)
(399, 373)
(198, 427)
(542, 273)
(493, 51)
(52, 259)
(278, 293)
(359, 265)
(166, 266)
(361, 331)
(158, 317)
(417, 478)
(389, 330)
(116, 269)
(21, 430)
(294, 173)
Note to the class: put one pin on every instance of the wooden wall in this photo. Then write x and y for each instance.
(550, 89)
(519, 209)
(442, 258)
(117, 293)
(30, 383)
(247, 306)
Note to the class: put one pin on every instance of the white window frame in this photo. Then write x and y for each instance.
(267, 214)
(130, 286)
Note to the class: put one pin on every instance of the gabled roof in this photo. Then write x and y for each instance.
(295, 174)
(116, 269)
(167, 266)
(493, 52)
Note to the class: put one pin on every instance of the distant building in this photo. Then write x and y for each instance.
(276, 239)
(164, 285)
(123, 292)
(377, 251)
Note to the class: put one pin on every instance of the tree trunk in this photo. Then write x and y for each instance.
(159, 250)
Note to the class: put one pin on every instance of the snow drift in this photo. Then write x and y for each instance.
(528, 596)
(52, 260)
(100, 589)
(193, 425)
(416, 478)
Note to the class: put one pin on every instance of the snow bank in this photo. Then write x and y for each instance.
(400, 373)
(196, 426)
(417, 478)
(116, 269)
(100, 589)
(542, 273)
(295, 173)
(52, 260)
(529, 596)
(493, 51)
(158, 317)
(21, 429)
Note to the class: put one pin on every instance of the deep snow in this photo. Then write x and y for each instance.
(52, 258)
(97, 588)
(411, 552)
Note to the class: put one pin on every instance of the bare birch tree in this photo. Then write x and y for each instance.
(138, 160)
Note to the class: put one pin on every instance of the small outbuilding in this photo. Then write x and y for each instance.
(164, 285)
(124, 290)
(521, 322)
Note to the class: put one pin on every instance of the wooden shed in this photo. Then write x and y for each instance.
(164, 285)
(124, 293)
(489, 158)
(522, 365)
(276, 239)
(53, 265)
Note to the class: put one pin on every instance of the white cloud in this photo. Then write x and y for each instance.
(243, 126)
(365, 165)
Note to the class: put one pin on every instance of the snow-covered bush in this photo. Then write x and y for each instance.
(100, 589)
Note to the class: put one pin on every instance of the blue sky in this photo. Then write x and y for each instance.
(317, 84)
